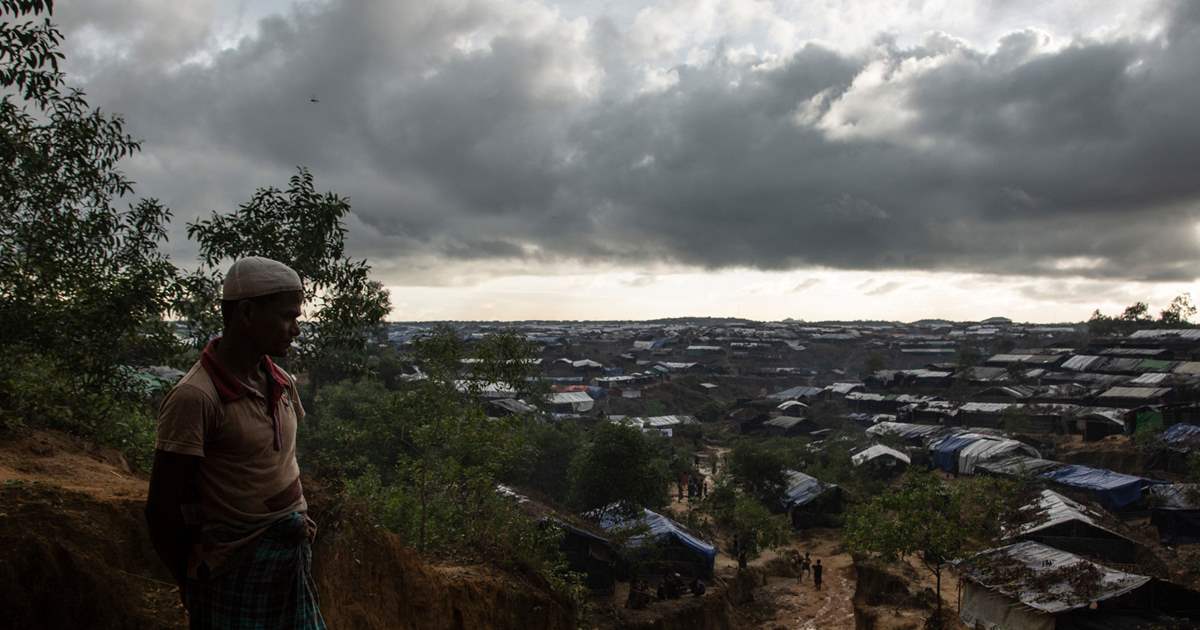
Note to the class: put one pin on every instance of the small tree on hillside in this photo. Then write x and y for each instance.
(759, 471)
(618, 465)
(740, 515)
(82, 281)
(932, 521)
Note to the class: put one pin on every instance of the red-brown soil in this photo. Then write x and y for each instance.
(74, 553)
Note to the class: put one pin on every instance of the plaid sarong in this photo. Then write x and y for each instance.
(271, 587)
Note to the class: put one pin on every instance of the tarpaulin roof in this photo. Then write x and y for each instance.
(1176, 496)
(1043, 584)
(983, 450)
(802, 489)
(878, 450)
(658, 528)
(1114, 490)
(905, 430)
(1051, 509)
(564, 398)
(784, 422)
(1018, 465)
(1181, 434)
(1142, 393)
(945, 451)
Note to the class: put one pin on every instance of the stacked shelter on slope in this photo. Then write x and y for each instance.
(881, 461)
(1058, 521)
(810, 502)
(1032, 586)
(659, 544)
(1175, 512)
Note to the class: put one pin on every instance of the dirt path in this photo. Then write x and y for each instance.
(785, 602)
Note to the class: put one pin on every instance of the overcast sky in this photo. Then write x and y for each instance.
(512, 159)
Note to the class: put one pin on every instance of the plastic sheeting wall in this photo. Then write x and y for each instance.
(993, 611)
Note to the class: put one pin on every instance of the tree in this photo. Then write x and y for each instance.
(933, 521)
(1178, 312)
(619, 465)
(82, 281)
(304, 229)
(759, 471)
(740, 515)
(1136, 312)
(873, 363)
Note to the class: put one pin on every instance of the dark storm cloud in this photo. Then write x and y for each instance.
(482, 132)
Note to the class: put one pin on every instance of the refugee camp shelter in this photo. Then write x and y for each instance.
(788, 426)
(1059, 522)
(1175, 512)
(1031, 586)
(1017, 466)
(571, 402)
(809, 501)
(1113, 490)
(912, 433)
(583, 546)
(662, 544)
(881, 459)
(960, 453)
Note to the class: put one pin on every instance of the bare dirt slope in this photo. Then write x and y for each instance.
(74, 553)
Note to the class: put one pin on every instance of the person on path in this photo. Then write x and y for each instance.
(806, 563)
(226, 511)
(817, 570)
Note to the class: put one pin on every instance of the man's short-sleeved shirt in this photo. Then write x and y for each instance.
(247, 439)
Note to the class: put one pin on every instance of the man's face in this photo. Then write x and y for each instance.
(273, 323)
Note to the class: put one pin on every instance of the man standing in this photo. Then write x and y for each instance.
(817, 570)
(226, 510)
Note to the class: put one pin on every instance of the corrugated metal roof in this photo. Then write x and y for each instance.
(1188, 367)
(1081, 362)
(1045, 583)
(1141, 393)
(1150, 378)
(1191, 334)
(1009, 358)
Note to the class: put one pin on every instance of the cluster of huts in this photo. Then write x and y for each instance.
(1064, 566)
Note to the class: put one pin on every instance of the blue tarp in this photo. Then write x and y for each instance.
(1181, 434)
(802, 489)
(1112, 489)
(945, 453)
(659, 527)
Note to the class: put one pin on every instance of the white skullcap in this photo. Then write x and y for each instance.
(254, 276)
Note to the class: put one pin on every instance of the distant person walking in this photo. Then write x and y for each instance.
(226, 511)
(817, 570)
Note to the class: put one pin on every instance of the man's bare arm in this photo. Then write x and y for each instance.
(173, 484)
